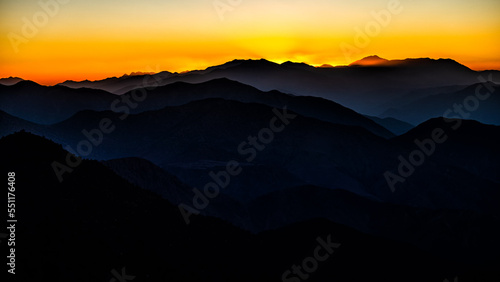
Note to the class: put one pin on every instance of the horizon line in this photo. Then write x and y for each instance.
(278, 62)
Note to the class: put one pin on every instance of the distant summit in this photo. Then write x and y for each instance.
(10, 80)
(326, 66)
(370, 61)
(138, 73)
(442, 66)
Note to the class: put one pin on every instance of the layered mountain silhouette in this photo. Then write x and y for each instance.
(342, 163)
(372, 86)
(457, 104)
(396, 160)
(21, 101)
(136, 228)
(361, 87)
(118, 85)
(50, 104)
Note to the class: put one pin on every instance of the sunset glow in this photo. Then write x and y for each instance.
(77, 40)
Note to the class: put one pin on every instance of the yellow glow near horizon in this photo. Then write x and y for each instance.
(86, 40)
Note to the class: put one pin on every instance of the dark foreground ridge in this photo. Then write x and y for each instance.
(96, 222)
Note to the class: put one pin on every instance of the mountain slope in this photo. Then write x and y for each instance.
(10, 80)
(463, 103)
(192, 140)
(394, 125)
(118, 85)
(182, 93)
(361, 88)
(469, 145)
(47, 105)
(213, 130)
(50, 104)
(136, 232)
(370, 61)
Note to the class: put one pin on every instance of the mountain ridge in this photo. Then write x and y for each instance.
(234, 62)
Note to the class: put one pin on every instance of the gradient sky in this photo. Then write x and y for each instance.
(86, 39)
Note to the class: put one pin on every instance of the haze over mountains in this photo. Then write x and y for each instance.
(358, 152)
(408, 90)
(138, 229)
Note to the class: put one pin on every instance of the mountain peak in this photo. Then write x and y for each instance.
(370, 61)
(325, 66)
(26, 83)
(10, 80)
(291, 64)
(138, 73)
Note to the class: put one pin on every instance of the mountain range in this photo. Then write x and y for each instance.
(138, 233)
(396, 160)
(371, 86)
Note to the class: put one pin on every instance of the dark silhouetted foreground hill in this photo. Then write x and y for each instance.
(96, 222)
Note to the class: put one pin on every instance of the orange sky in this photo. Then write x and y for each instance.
(76, 39)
